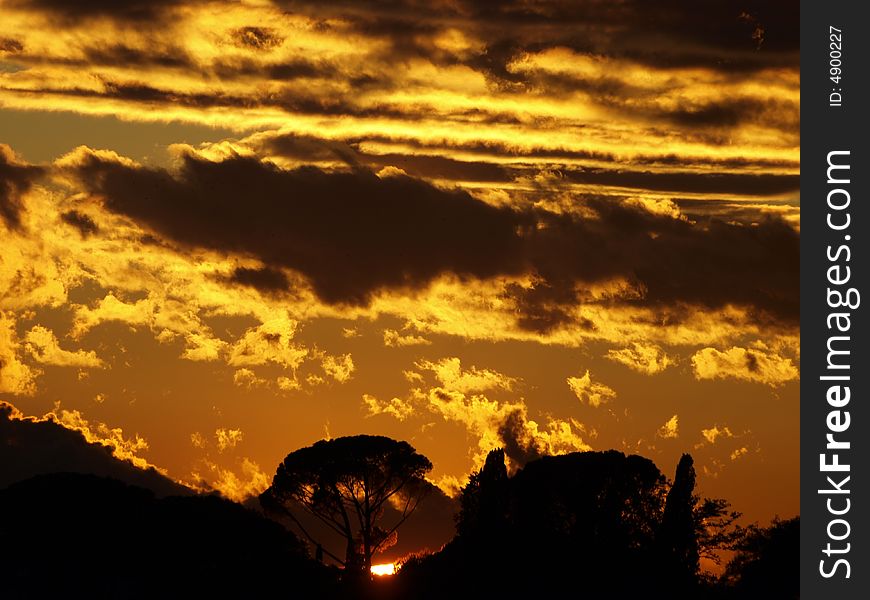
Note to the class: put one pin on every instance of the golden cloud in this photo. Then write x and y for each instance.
(340, 368)
(246, 378)
(249, 481)
(715, 432)
(15, 376)
(590, 392)
(123, 448)
(197, 440)
(43, 345)
(670, 429)
(742, 451)
(757, 364)
(227, 438)
(395, 407)
(286, 384)
(451, 375)
(504, 425)
(269, 342)
(644, 358)
(394, 339)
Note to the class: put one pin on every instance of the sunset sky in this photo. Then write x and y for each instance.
(230, 229)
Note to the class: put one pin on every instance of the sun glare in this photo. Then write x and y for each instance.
(384, 569)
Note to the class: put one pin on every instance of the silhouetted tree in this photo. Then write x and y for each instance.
(692, 528)
(584, 519)
(602, 523)
(678, 535)
(716, 528)
(483, 501)
(767, 563)
(346, 483)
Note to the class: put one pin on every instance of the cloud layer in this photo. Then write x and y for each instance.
(341, 230)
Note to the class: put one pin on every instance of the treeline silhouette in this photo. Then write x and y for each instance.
(602, 525)
(590, 524)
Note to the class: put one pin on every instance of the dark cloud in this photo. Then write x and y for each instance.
(407, 38)
(34, 447)
(133, 11)
(736, 111)
(265, 279)
(736, 40)
(493, 63)
(310, 149)
(288, 70)
(545, 306)
(16, 179)
(116, 55)
(752, 362)
(617, 96)
(431, 166)
(290, 99)
(174, 57)
(724, 36)
(126, 56)
(441, 167)
(501, 149)
(257, 38)
(671, 263)
(352, 233)
(743, 211)
(518, 446)
(10, 45)
(688, 181)
(80, 221)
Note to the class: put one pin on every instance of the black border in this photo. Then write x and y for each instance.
(826, 128)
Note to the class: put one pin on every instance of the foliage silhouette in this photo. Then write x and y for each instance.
(346, 483)
(483, 500)
(677, 535)
(767, 561)
(604, 521)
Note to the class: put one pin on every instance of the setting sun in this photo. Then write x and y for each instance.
(384, 569)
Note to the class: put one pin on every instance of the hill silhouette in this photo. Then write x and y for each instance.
(30, 447)
(70, 535)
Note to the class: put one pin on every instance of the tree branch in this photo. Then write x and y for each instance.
(287, 512)
(405, 514)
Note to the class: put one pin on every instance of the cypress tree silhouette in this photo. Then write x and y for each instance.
(483, 500)
(677, 537)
